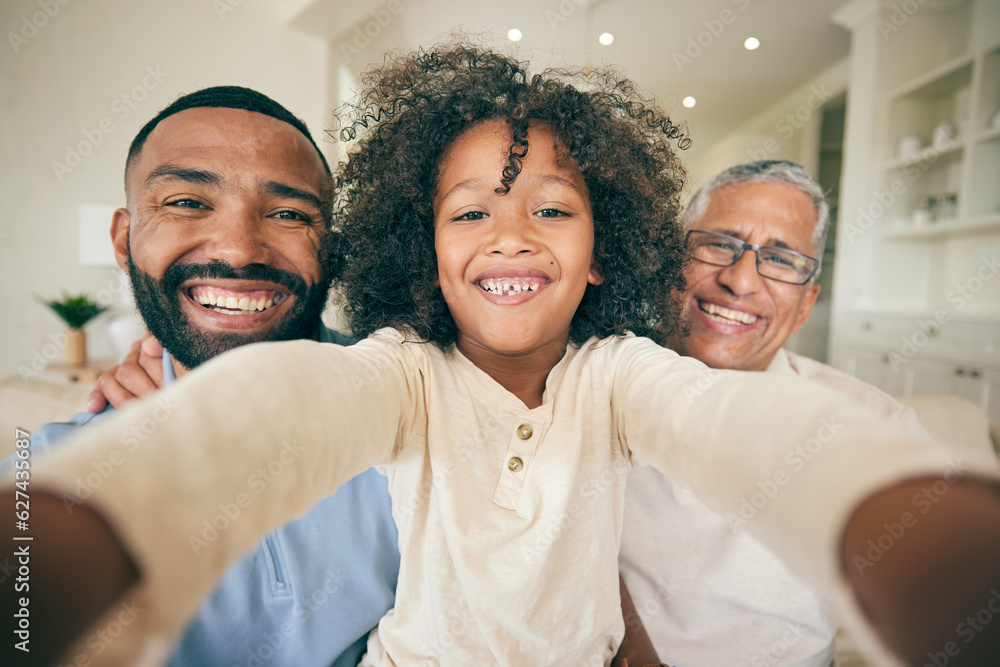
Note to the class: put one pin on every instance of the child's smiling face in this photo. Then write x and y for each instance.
(512, 268)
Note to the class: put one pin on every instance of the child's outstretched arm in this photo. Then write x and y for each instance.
(188, 482)
(929, 592)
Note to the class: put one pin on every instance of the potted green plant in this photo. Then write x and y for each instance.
(75, 311)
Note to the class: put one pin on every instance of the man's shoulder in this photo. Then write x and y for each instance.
(53, 433)
(328, 335)
(847, 385)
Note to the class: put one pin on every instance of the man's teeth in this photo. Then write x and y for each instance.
(509, 286)
(231, 303)
(727, 315)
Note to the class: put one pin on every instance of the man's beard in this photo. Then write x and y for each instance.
(159, 304)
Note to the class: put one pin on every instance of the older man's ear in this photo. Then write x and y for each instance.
(805, 309)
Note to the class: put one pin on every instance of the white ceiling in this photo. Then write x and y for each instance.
(730, 83)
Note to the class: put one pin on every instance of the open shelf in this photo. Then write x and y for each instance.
(982, 225)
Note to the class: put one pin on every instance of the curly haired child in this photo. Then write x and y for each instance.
(507, 241)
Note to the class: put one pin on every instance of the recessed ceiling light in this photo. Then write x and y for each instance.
(751, 43)
(689, 101)
(514, 35)
(606, 38)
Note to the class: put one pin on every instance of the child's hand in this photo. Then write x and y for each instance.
(926, 593)
(140, 374)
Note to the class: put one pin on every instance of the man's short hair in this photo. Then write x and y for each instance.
(225, 97)
(767, 171)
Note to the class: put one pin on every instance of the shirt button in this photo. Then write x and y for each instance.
(515, 463)
(524, 431)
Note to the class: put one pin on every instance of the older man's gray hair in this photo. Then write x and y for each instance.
(767, 171)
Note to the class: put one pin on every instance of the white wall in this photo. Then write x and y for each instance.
(65, 81)
(787, 130)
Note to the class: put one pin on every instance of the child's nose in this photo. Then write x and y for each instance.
(511, 235)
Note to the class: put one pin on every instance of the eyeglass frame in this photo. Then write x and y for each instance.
(756, 248)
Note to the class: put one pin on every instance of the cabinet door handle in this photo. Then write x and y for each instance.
(974, 374)
(960, 372)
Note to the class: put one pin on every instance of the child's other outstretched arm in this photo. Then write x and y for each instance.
(854, 506)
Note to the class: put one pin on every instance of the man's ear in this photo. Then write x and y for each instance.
(120, 222)
(806, 306)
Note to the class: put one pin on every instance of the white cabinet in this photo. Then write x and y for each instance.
(909, 355)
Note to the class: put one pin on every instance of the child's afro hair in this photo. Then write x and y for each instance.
(412, 109)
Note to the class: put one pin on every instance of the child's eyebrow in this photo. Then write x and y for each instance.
(478, 183)
(463, 186)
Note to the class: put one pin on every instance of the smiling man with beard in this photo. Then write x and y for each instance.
(224, 238)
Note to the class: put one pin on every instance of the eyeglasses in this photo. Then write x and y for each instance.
(781, 264)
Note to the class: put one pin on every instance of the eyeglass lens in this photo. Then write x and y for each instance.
(776, 263)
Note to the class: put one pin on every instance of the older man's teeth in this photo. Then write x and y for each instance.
(509, 286)
(727, 315)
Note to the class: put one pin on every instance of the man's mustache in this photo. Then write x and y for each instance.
(179, 273)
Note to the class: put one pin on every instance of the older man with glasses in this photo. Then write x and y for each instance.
(707, 592)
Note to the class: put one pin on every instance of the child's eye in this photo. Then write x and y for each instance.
(472, 216)
(292, 215)
(552, 213)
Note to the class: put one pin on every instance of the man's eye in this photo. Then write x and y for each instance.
(472, 215)
(552, 213)
(186, 203)
(780, 260)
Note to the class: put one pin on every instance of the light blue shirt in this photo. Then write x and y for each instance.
(309, 593)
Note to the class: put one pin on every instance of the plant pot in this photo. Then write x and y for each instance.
(76, 347)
